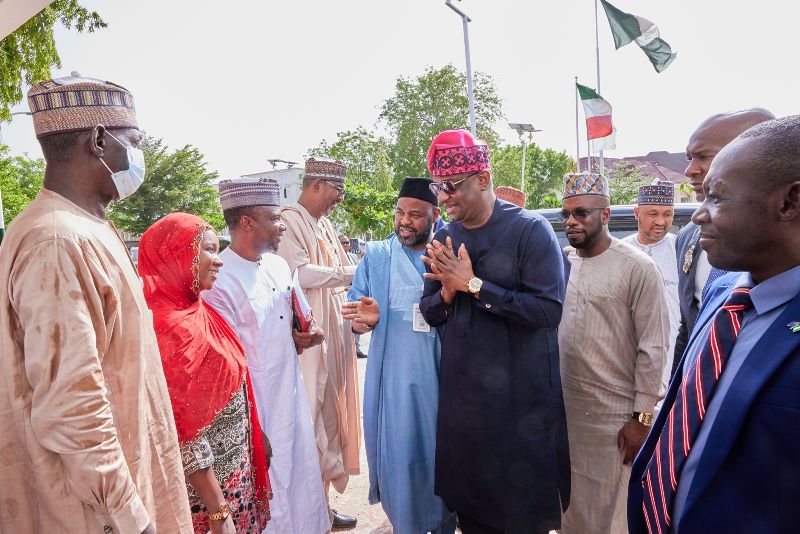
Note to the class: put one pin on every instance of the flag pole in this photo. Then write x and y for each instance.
(577, 131)
(597, 56)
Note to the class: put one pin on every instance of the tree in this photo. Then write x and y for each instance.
(365, 154)
(624, 181)
(175, 181)
(366, 211)
(20, 180)
(544, 171)
(429, 104)
(28, 54)
(370, 197)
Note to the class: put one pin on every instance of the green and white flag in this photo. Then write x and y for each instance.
(626, 28)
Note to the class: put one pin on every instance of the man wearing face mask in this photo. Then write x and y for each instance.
(311, 246)
(86, 427)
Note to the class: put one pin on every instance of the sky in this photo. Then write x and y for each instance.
(247, 80)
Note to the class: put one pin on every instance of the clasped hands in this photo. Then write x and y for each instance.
(453, 270)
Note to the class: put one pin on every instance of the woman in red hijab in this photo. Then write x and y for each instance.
(223, 449)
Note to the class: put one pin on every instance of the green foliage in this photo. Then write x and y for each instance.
(365, 211)
(28, 54)
(436, 101)
(20, 181)
(368, 204)
(174, 181)
(544, 172)
(365, 154)
(624, 181)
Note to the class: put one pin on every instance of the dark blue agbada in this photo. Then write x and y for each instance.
(501, 445)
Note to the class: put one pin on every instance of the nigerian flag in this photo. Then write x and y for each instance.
(626, 28)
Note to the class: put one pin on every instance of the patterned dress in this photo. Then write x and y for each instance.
(226, 446)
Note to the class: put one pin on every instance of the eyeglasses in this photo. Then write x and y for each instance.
(338, 189)
(579, 214)
(448, 186)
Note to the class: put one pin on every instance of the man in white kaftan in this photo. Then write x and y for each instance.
(253, 293)
(654, 214)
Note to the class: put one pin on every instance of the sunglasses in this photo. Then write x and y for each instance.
(448, 186)
(579, 214)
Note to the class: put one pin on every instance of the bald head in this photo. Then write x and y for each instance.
(712, 135)
(724, 127)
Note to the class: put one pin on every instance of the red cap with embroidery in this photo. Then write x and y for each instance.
(456, 152)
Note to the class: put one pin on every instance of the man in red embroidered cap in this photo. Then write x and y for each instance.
(495, 278)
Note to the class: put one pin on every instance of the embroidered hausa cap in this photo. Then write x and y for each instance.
(418, 188)
(511, 194)
(241, 193)
(325, 169)
(456, 152)
(585, 183)
(75, 103)
(659, 193)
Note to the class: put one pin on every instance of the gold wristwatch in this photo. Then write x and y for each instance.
(222, 515)
(474, 285)
(646, 418)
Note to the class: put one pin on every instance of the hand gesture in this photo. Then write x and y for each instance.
(364, 310)
(453, 271)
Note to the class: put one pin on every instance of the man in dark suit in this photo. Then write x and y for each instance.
(694, 271)
(723, 454)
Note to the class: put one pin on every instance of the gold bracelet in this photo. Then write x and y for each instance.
(222, 515)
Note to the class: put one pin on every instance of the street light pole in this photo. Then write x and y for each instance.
(523, 129)
(465, 20)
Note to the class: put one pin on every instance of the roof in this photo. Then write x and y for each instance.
(660, 164)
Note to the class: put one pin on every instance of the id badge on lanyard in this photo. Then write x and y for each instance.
(419, 324)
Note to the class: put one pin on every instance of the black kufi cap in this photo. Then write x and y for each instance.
(418, 188)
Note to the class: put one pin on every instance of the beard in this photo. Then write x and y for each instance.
(589, 238)
(418, 238)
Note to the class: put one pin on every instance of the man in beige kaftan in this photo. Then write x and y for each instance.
(613, 340)
(311, 246)
(87, 438)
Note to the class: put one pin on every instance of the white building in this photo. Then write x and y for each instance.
(289, 180)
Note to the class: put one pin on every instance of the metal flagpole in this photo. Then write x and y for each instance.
(597, 54)
(577, 131)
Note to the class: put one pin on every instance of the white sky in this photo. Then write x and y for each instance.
(247, 80)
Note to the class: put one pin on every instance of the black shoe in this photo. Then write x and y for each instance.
(342, 522)
(360, 354)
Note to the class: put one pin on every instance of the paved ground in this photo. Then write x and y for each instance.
(371, 519)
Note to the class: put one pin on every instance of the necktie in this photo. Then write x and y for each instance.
(713, 275)
(660, 479)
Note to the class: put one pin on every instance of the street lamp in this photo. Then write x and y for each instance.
(523, 129)
(464, 20)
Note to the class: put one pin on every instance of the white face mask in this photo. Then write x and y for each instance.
(128, 181)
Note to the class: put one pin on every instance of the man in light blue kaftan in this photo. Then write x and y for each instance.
(401, 394)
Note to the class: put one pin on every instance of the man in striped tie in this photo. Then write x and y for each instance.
(723, 454)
